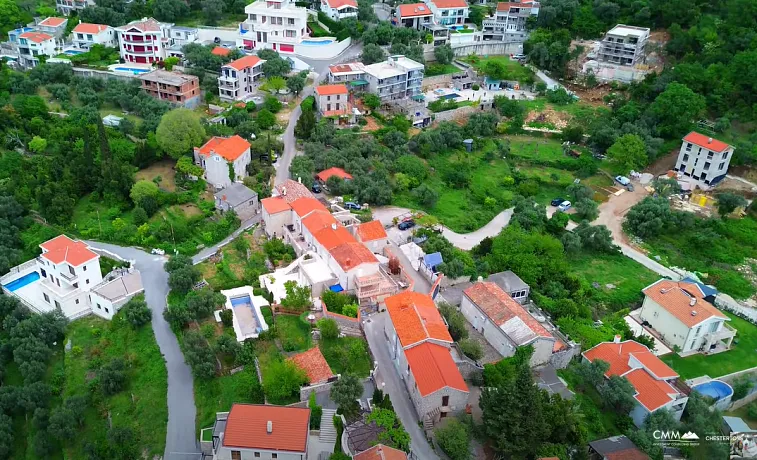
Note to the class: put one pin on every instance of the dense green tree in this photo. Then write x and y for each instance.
(136, 312)
(676, 109)
(179, 131)
(444, 54)
(372, 54)
(203, 302)
(728, 202)
(618, 394)
(282, 380)
(454, 439)
(297, 297)
(169, 10)
(112, 376)
(628, 153)
(212, 9)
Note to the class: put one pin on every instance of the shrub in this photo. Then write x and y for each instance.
(472, 349)
(227, 318)
(329, 328)
(475, 87)
(136, 312)
(112, 377)
(456, 321)
(315, 412)
(454, 440)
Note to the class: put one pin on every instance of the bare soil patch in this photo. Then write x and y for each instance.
(559, 119)
(163, 169)
(188, 209)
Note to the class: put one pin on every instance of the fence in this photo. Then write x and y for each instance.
(18, 269)
(317, 389)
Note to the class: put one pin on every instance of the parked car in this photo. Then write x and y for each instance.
(564, 206)
(623, 180)
(518, 57)
(351, 205)
(158, 251)
(406, 224)
(316, 188)
(557, 201)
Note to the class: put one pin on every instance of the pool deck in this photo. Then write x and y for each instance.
(247, 317)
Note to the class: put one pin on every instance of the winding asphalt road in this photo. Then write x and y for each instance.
(181, 439)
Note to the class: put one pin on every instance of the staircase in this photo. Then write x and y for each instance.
(328, 430)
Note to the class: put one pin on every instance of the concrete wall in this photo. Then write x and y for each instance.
(342, 320)
(488, 48)
(561, 359)
(226, 34)
(317, 389)
(92, 73)
(456, 113)
(274, 224)
(329, 51)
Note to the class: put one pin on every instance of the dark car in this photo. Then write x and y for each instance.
(406, 224)
(316, 188)
(557, 201)
(351, 205)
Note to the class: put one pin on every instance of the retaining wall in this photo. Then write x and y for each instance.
(448, 115)
(329, 51)
(342, 320)
(486, 48)
(317, 389)
(92, 73)
(226, 34)
(561, 359)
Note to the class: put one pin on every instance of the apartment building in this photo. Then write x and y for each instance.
(237, 79)
(624, 45)
(509, 21)
(33, 44)
(413, 15)
(396, 78)
(53, 26)
(222, 156)
(449, 12)
(703, 160)
(85, 35)
(144, 41)
(347, 73)
(333, 100)
(176, 88)
(274, 24)
(339, 9)
(67, 6)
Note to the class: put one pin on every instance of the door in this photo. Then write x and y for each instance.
(445, 401)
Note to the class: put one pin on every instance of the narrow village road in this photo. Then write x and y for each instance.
(207, 252)
(181, 438)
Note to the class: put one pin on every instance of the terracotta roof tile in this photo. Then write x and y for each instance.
(433, 368)
(245, 62)
(350, 255)
(52, 22)
(349, 67)
(651, 393)
(371, 231)
(330, 238)
(338, 4)
(305, 205)
(148, 25)
(505, 6)
(294, 190)
(275, 205)
(221, 51)
(706, 142)
(676, 298)
(410, 10)
(230, 148)
(246, 427)
(633, 453)
(319, 220)
(381, 452)
(339, 172)
(416, 318)
(64, 249)
(87, 28)
(450, 3)
(330, 90)
(36, 37)
(314, 365)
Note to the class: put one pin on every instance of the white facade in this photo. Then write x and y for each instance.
(144, 41)
(509, 21)
(237, 79)
(237, 453)
(624, 45)
(703, 160)
(67, 6)
(345, 73)
(108, 297)
(396, 78)
(274, 24)
(339, 9)
(449, 12)
(223, 157)
(86, 35)
(31, 45)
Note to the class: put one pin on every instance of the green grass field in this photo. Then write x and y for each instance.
(141, 406)
(347, 355)
(294, 332)
(218, 394)
(628, 276)
(741, 355)
(433, 70)
(513, 70)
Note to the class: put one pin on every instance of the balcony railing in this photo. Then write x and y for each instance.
(126, 39)
(141, 53)
(70, 277)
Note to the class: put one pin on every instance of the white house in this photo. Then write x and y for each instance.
(144, 41)
(413, 15)
(396, 78)
(655, 383)
(236, 82)
(683, 318)
(224, 160)
(624, 45)
(111, 294)
(506, 324)
(252, 431)
(345, 73)
(333, 101)
(53, 26)
(67, 6)
(274, 24)
(85, 35)
(449, 12)
(419, 344)
(510, 20)
(31, 45)
(373, 235)
(339, 9)
(703, 161)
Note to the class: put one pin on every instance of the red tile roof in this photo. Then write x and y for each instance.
(371, 231)
(501, 308)
(339, 4)
(314, 365)
(148, 25)
(330, 238)
(230, 148)
(350, 67)
(651, 393)
(505, 6)
(339, 172)
(87, 28)
(381, 452)
(433, 368)
(450, 3)
(294, 190)
(350, 255)
(64, 249)
(246, 427)
(330, 90)
(52, 22)
(221, 51)
(275, 205)
(245, 62)
(633, 453)
(676, 298)
(416, 318)
(319, 220)
(706, 142)
(306, 205)
(410, 10)
(36, 37)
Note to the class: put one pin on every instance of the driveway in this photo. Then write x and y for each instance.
(181, 438)
(392, 385)
(207, 252)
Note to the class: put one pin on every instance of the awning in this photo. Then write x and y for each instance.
(358, 83)
(418, 97)
(336, 288)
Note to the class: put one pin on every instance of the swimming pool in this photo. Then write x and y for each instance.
(714, 389)
(133, 70)
(21, 282)
(241, 300)
(316, 42)
(450, 96)
(73, 52)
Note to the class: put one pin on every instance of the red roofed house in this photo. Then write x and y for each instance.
(237, 79)
(449, 12)
(509, 21)
(419, 344)
(85, 35)
(34, 44)
(413, 15)
(381, 452)
(251, 431)
(221, 51)
(656, 384)
(220, 152)
(339, 9)
(703, 161)
(314, 365)
(333, 101)
(682, 317)
(144, 41)
(506, 324)
(53, 26)
(324, 175)
(373, 235)
(345, 73)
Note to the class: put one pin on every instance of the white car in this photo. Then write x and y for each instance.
(158, 251)
(623, 180)
(564, 206)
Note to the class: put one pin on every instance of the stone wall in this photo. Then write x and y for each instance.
(448, 115)
(560, 360)
(318, 389)
(347, 325)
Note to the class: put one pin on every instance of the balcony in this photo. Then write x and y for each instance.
(376, 285)
(140, 53)
(68, 276)
(726, 332)
(126, 39)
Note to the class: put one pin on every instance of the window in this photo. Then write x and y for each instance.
(76, 285)
(57, 305)
(106, 310)
(714, 327)
(725, 155)
(706, 165)
(257, 454)
(721, 166)
(291, 33)
(328, 98)
(77, 301)
(699, 329)
(44, 273)
(47, 299)
(688, 147)
(85, 268)
(290, 21)
(685, 157)
(274, 455)
(236, 455)
(87, 281)
(71, 270)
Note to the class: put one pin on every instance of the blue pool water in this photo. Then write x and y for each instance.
(241, 300)
(714, 389)
(450, 96)
(73, 52)
(21, 282)
(316, 42)
(133, 70)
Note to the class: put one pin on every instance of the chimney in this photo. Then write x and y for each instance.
(480, 278)
(616, 339)
(284, 191)
(333, 226)
(709, 140)
(693, 313)
(299, 179)
(269, 427)
(692, 302)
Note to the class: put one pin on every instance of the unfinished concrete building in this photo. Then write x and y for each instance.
(624, 45)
